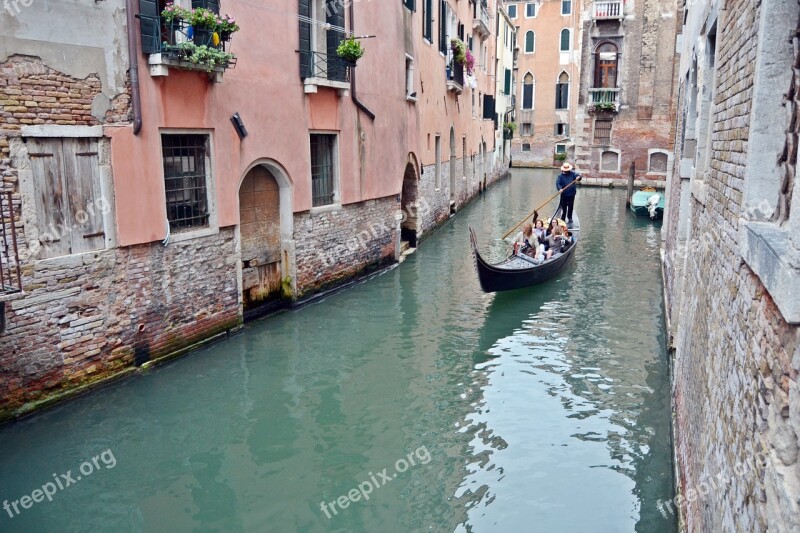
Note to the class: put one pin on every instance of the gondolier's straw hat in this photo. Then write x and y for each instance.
(566, 167)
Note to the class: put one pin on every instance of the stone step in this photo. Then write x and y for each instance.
(404, 246)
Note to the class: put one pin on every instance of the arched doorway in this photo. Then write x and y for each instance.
(408, 203)
(264, 208)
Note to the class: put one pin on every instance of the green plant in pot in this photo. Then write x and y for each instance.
(350, 50)
(560, 156)
(459, 51)
(508, 129)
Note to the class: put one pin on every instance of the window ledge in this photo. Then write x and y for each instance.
(188, 235)
(412, 99)
(325, 208)
(768, 251)
(699, 190)
(310, 85)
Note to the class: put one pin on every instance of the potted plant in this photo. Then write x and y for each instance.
(470, 63)
(459, 51)
(601, 107)
(173, 16)
(350, 50)
(508, 130)
(204, 22)
(226, 27)
(560, 157)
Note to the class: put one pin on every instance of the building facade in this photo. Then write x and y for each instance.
(547, 78)
(166, 186)
(731, 261)
(504, 83)
(626, 95)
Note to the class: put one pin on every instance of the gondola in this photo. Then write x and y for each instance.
(517, 272)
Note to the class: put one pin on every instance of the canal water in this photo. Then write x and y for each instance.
(409, 402)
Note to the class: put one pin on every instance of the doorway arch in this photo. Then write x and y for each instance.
(265, 239)
(409, 226)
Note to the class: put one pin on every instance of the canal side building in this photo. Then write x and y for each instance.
(165, 186)
(731, 262)
(505, 101)
(548, 70)
(626, 96)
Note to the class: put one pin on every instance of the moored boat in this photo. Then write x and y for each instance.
(519, 271)
(648, 203)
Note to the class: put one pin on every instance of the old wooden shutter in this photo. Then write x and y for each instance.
(427, 27)
(150, 23)
(52, 214)
(507, 84)
(410, 4)
(335, 17)
(213, 5)
(305, 40)
(81, 173)
(488, 106)
(443, 26)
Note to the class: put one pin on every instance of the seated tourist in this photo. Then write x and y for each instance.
(524, 240)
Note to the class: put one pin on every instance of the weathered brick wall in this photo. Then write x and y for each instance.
(335, 245)
(85, 317)
(736, 398)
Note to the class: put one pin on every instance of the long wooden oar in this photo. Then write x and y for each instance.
(529, 215)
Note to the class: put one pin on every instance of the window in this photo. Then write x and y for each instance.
(323, 169)
(565, 40)
(530, 10)
(507, 82)
(512, 11)
(561, 148)
(438, 165)
(566, 7)
(602, 131)
(609, 161)
(530, 42)
(658, 163)
(526, 147)
(69, 202)
(320, 39)
(427, 25)
(562, 91)
(410, 4)
(562, 129)
(186, 167)
(527, 129)
(411, 94)
(605, 66)
(527, 91)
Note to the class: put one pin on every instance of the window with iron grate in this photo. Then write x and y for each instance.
(323, 168)
(186, 165)
(602, 131)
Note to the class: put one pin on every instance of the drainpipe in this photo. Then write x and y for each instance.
(353, 93)
(133, 60)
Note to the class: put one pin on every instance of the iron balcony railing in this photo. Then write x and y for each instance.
(604, 96)
(481, 22)
(455, 76)
(10, 275)
(177, 40)
(609, 10)
(325, 66)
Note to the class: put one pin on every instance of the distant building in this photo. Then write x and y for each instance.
(626, 93)
(505, 101)
(547, 77)
(731, 262)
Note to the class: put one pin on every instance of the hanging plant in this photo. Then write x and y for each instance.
(459, 51)
(470, 63)
(350, 50)
(202, 18)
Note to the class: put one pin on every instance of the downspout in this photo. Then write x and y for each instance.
(133, 60)
(353, 93)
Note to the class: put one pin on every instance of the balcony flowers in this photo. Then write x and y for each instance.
(470, 63)
(226, 26)
(459, 51)
(602, 107)
(172, 12)
(350, 50)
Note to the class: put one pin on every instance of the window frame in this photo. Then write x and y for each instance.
(524, 145)
(619, 161)
(508, 11)
(336, 199)
(533, 92)
(535, 10)
(563, 3)
(561, 40)
(560, 148)
(566, 99)
(533, 47)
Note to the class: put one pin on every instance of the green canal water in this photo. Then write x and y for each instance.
(409, 402)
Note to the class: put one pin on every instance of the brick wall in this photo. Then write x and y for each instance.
(85, 317)
(736, 398)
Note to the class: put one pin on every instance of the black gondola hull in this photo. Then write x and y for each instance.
(496, 278)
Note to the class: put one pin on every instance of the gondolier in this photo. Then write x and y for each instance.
(567, 176)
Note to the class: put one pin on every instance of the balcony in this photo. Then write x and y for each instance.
(604, 100)
(455, 78)
(481, 21)
(175, 44)
(609, 10)
(324, 70)
(10, 277)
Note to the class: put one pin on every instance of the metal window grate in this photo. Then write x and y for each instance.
(322, 168)
(602, 131)
(10, 276)
(185, 180)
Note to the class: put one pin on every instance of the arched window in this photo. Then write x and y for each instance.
(527, 91)
(530, 42)
(565, 40)
(562, 91)
(658, 162)
(609, 161)
(605, 66)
